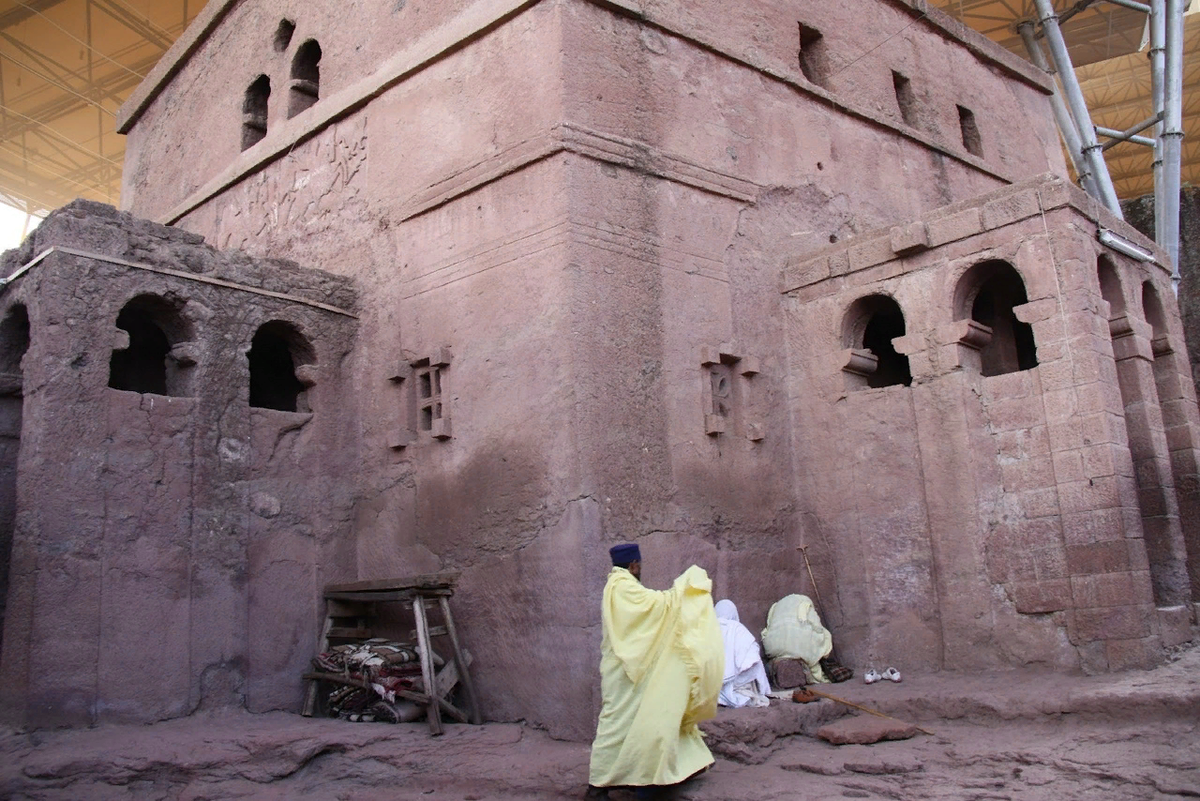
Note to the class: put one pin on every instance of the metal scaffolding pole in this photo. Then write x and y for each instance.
(1091, 148)
(1172, 131)
(1158, 40)
(1066, 126)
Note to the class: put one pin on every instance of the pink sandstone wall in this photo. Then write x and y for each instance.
(584, 203)
(168, 548)
(971, 522)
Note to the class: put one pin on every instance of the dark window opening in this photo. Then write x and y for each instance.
(275, 352)
(305, 86)
(147, 364)
(905, 99)
(254, 111)
(873, 322)
(14, 341)
(992, 289)
(1110, 286)
(893, 369)
(283, 35)
(970, 132)
(814, 61)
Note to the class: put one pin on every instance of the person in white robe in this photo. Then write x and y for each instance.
(745, 681)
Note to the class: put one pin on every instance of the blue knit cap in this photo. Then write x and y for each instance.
(624, 554)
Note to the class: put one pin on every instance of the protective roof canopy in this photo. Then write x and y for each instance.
(66, 66)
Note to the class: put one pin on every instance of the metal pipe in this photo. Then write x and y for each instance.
(1158, 38)
(1117, 137)
(1172, 130)
(1079, 111)
(1066, 126)
(1145, 9)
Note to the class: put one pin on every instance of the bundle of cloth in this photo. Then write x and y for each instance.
(745, 682)
(386, 666)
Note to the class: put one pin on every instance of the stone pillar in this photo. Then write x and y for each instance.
(1152, 464)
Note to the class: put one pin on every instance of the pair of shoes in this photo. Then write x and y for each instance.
(871, 676)
(891, 674)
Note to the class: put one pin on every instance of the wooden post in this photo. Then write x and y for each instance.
(434, 712)
(464, 673)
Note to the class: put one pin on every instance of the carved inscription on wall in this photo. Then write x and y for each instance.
(311, 189)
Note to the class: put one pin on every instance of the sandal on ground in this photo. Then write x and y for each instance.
(891, 674)
(871, 676)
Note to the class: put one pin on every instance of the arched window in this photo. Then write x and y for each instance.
(305, 86)
(150, 362)
(1152, 307)
(1110, 286)
(277, 349)
(871, 325)
(987, 294)
(254, 111)
(283, 35)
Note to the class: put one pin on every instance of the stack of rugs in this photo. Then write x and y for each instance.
(387, 668)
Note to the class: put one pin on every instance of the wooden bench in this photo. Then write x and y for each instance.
(351, 614)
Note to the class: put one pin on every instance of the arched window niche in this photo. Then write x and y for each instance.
(870, 326)
(987, 294)
(1156, 315)
(153, 353)
(305, 87)
(280, 368)
(254, 111)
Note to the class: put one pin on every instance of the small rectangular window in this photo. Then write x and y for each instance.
(970, 132)
(813, 58)
(905, 99)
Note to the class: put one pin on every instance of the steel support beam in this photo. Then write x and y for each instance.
(1066, 127)
(1090, 146)
(1158, 46)
(1172, 131)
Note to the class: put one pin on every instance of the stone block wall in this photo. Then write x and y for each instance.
(173, 527)
(994, 513)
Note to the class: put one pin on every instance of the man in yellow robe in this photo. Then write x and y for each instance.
(661, 666)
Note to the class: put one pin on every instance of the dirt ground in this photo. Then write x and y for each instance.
(1020, 736)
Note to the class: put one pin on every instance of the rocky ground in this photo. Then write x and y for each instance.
(1017, 736)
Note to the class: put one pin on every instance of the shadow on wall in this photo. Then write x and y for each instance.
(14, 342)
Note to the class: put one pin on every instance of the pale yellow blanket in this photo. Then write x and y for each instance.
(661, 666)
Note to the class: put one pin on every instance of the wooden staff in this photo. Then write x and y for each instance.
(877, 714)
(803, 549)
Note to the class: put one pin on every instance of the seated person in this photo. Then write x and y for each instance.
(745, 677)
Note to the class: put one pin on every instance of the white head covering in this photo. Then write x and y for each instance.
(726, 610)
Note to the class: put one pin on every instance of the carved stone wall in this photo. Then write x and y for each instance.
(169, 545)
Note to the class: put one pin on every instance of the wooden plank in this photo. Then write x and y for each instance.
(349, 634)
(463, 659)
(380, 595)
(428, 581)
(433, 711)
(339, 608)
(434, 631)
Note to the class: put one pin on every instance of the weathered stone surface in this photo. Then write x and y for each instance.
(864, 730)
(539, 213)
